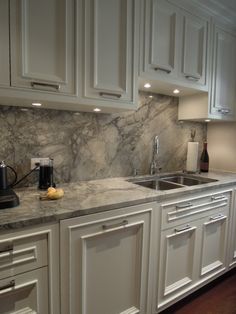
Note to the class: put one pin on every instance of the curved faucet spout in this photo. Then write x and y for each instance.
(154, 168)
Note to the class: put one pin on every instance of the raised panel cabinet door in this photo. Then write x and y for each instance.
(213, 252)
(4, 44)
(105, 265)
(42, 45)
(177, 260)
(223, 98)
(194, 49)
(109, 49)
(162, 29)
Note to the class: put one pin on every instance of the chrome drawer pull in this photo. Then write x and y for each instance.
(184, 205)
(6, 247)
(217, 217)
(183, 229)
(119, 224)
(162, 69)
(11, 284)
(215, 198)
(47, 85)
(192, 77)
(108, 95)
(224, 111)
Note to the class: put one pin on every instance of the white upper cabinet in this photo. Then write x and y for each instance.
(223, 97)
(175, 47)
(161, 43)
(109, 52)
(4, 44)
(42, 45)
(194, 51)
(163, 48)
(220, 102)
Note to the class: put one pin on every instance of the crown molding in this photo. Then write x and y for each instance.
(219, 10)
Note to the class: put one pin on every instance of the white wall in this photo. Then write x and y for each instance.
(222, 146)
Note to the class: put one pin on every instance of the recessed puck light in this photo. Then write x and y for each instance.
(36, 104)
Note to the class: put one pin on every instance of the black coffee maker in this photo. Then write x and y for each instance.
(46, 174)
(8, 197)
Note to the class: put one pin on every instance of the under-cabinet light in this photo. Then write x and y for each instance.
(147, 85)
(97, 109)
(36, 104)
(176, 91)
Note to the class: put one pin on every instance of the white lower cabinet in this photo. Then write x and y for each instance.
(232, 234)
(29, 271)
(105, 262)
(193, 244)
(26, 293)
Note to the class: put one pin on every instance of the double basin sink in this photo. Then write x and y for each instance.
(176, 181)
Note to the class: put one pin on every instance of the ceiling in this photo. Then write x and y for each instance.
(230, 4)
(222, 8)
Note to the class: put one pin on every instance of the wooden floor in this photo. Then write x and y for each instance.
(218, 297)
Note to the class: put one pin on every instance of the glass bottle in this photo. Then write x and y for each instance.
(204, 160)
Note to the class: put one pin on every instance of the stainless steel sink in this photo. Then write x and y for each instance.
(171, 182)
(188, 180)
(160, 185)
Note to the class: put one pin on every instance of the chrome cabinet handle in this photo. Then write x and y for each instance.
(219, 197)
(119, 224)
(6, 247)
(192, 77)
(168, 71)
(11, 284)
(184, 205)
(109, 95)
(224, 111)
(217, 217)
(187, 227)
(47, 85)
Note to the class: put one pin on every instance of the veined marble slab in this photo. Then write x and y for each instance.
(88, 197)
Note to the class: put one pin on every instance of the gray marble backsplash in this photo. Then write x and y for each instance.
(88, 146)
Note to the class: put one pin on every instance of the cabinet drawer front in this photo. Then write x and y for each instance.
(26, 293)
(22, 253)
(193, 208)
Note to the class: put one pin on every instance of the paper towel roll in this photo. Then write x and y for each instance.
(192, 157)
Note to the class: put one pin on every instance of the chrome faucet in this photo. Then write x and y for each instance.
(154, 167)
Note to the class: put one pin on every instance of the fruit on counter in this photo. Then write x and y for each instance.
(53, 194)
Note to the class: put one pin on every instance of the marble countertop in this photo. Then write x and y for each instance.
(88, 197)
